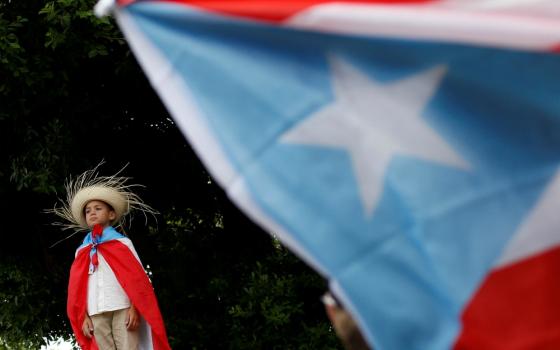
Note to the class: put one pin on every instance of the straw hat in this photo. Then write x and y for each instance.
(89, 186)
(109, 195)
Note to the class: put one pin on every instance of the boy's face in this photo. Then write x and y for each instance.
(98, 212)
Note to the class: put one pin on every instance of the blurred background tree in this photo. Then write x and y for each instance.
(71, 95)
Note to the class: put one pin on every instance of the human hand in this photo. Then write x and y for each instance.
(132, 319)
(87, 327)
(344, 325)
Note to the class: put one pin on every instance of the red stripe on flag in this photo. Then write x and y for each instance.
(270, 10)
(517, 307)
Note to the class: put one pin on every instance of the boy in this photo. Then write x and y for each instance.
(111, 303)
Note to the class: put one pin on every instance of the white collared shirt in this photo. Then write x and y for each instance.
(104, 290)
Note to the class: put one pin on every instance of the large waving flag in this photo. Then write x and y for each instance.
(409, 151)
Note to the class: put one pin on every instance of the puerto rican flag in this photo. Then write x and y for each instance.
(409, 151)
(118, 252)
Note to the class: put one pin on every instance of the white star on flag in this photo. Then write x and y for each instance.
(374, 122)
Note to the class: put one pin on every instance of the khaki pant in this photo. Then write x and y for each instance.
(109, 329)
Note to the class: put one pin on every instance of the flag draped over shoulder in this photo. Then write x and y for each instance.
(130, 275)
(409, 151)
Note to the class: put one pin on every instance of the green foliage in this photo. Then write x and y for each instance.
(33, 169)
(44, 50)
(23, 324)
(239, 290)
(65, 16)
(12, 54)
(71, 95)
(277, 307)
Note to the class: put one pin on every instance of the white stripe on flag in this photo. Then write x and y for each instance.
(433, 21)
(539, 231)
(178, 99)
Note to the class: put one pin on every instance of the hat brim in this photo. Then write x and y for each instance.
(101, 193)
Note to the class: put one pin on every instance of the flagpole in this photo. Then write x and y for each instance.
(104, 7)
